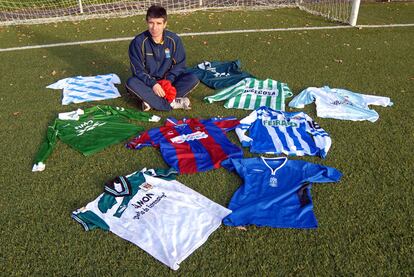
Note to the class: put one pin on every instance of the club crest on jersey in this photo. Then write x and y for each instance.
(193, 136)
(273, 182)
(296, 117)
(167, 53)
(146, 186)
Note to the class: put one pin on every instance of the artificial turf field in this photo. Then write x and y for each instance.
(366, 224)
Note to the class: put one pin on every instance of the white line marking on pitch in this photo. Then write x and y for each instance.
(203, 34)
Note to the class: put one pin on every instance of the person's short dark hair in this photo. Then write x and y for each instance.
(156, 12)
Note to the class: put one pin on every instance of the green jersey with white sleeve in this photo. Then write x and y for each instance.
(90, 130)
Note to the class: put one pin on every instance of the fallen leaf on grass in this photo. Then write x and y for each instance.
(53, 72)
(241, 228)
(16, 113)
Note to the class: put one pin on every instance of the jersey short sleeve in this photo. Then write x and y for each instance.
(59, 84)
(316, 173)
(304, 98)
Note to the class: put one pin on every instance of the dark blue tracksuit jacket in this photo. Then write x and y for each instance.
(151, 61)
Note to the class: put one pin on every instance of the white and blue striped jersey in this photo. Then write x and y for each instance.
(278, 132)
(340, 103)
(85, 89)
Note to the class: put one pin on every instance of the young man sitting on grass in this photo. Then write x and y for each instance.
(158, 64)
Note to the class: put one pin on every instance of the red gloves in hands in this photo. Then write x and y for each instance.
(169, 89)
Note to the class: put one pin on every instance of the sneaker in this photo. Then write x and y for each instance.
(181, 103)
(145, 107)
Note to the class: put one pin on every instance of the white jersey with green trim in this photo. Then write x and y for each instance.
(251, 93)
(155, 212)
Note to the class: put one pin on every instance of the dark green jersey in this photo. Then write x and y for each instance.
(91, 130)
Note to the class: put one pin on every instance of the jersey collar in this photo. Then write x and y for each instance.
(277, 168)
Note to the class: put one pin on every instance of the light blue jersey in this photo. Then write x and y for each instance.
(85, 89)
(277, 132)
(340, 103)
(276, 192)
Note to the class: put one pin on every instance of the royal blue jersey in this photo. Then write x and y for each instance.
(277, 132)
(192, 145)
(276, 192)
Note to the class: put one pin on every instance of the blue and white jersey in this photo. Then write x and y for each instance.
(276, 192)
(85, 89)
(278, 132)
(340, 103)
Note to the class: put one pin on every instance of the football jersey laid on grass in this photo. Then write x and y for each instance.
(155, 212)
(91, 88)
(217, 75)
(340, 103)
(192, 145)
(251, 93)
(90, 130)
(276, 192)
(277, 132)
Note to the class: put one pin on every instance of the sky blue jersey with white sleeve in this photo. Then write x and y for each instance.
(340, 103)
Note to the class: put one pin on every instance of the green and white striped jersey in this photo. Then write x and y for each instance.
(251, 93)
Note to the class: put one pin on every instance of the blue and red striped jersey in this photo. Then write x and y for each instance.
(192, 145)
